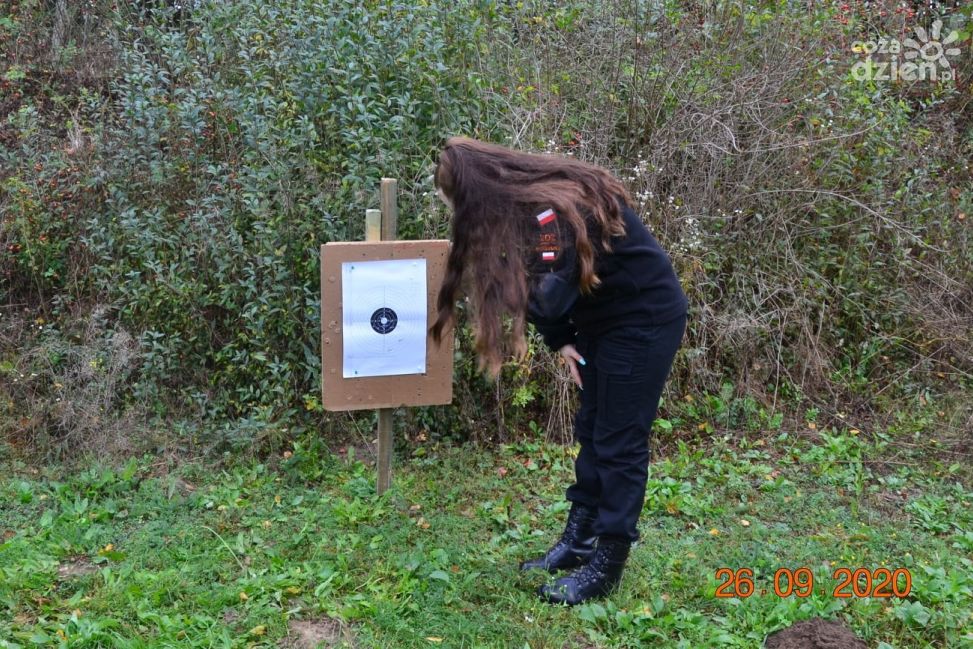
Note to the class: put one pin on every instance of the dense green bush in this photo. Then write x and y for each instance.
(181, 186)
(242, 140)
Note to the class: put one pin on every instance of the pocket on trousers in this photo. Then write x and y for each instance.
(615, 357)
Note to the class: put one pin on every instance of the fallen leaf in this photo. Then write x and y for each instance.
(502, 471)
(258, 630)
(744, 522)
(243, 596)
(714, 532)
(434, 639)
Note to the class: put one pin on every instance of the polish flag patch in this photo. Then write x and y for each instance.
(545, 217)
(548, 256)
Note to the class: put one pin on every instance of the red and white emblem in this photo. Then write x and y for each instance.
(545, 217)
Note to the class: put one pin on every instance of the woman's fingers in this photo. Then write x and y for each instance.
(569, 351)
(572, 358)
(575, 374)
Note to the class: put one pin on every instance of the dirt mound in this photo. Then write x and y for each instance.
(321, 633)
(815, 633)
(78, 566)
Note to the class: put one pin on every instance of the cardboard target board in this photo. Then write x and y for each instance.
(377, 304)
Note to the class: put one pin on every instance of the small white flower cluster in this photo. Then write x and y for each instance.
(553, 147)
(736, 212)
(723, 214)
(691, 239)
(640, 173)
(642, 168)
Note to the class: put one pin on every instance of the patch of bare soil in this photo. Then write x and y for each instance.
(815, 633)
(889, 502)
(366, 452)
(319, 633)
(75, 567)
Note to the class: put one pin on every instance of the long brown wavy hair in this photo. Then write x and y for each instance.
(496, 192)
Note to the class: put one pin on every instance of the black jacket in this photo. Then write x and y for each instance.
(638, 284)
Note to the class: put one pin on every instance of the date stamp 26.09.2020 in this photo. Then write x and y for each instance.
(848, 582)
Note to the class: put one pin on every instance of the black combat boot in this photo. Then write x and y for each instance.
(597, 578)
(575, 546)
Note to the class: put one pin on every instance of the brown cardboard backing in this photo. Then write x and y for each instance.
(435, 387)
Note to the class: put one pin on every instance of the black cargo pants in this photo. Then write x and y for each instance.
(622, 380)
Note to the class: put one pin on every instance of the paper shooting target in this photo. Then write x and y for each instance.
(402, 277)
(384, 317)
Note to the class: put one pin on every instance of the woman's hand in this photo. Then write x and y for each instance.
(572, 358)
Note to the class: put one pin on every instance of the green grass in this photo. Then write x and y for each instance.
(232, 558)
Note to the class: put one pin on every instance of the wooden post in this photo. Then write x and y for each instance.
(387, 230)
(373, 225)
(390, 209)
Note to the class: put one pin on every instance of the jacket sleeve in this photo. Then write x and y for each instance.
(553, 282)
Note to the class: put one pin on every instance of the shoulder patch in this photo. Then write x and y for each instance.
(548, 246)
